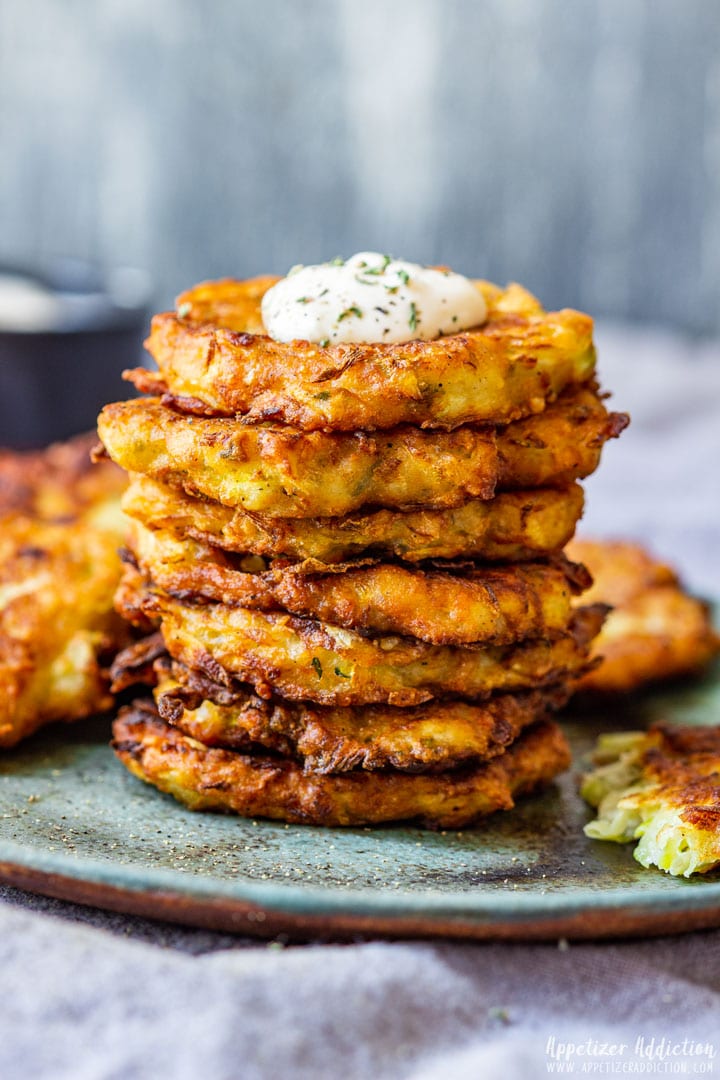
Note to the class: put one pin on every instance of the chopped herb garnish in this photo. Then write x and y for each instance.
(337, 261)
(413, 320)
(362, 281)
(382, 310)
(303, 299)
(184, 310)
(454, 318)
(392, 288)
(348, 312)
(318, 666)
(323, 293)
(387, 259)
(341, 674)
(324, 343)
(404, 276)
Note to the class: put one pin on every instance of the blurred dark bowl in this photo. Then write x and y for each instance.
(67, 330)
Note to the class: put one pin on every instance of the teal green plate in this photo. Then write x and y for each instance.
(75, 824)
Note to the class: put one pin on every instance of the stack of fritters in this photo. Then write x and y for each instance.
(349, 561)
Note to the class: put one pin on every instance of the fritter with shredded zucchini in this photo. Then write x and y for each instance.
(655, 631)
(61, 483)
(661, 787)
(265, 786)
(428, 738)
(514, 526)
(58, 629)
(458, 605)
(307, 660)
(285, 472)
(60, 526)
(214, 357)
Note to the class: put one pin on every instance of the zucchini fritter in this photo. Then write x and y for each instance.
(663, 788)
(215, 357)
(57, 623)
(655, 632)
(285, 472)
(448, 606)
(60, 526)
(61, 483)
(307, 660)
(213, 779)
(428, 738)
(514, 526)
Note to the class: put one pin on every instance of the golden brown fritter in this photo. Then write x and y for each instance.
(663, 787)
(60, 525)
(215, 779)
(461, 605)
(307, 660)
(57, 623)
(560, 445)
(214, 357)
(61, 483)
(432, 737)
(656, 631)
(515, 526)
(285, 472)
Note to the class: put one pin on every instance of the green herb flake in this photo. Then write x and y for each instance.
(337, 261)
(303, 299)
(318, 666)
(413, 320)
(404, 276)
(184, 310)
(377, 270)
(348, 312)
(324, 343)
(341, 674)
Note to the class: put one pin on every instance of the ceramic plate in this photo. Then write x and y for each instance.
(74, 824)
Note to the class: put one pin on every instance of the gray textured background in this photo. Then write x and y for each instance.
(572, 146)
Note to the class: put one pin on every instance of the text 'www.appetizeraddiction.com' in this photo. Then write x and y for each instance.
(647, 1055)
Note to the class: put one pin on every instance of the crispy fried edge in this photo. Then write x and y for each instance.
(512, 526)
(494, 605)
(282, 472)
(508, 368)
(303, 659)
(223, 780)
(431, 737)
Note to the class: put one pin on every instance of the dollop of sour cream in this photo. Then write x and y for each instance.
(370, 298)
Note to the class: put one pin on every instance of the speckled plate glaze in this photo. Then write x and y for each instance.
(74, 824)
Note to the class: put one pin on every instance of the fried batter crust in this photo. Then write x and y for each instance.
(223, 780)
(61, 483)
(662, 786)
(472, 604)
(57, 624)
(655, 632)
(511, 527)
(306, 660)
(428, 738)
(284, 472)
(214, 357)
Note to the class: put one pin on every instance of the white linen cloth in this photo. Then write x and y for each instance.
(89, 995)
